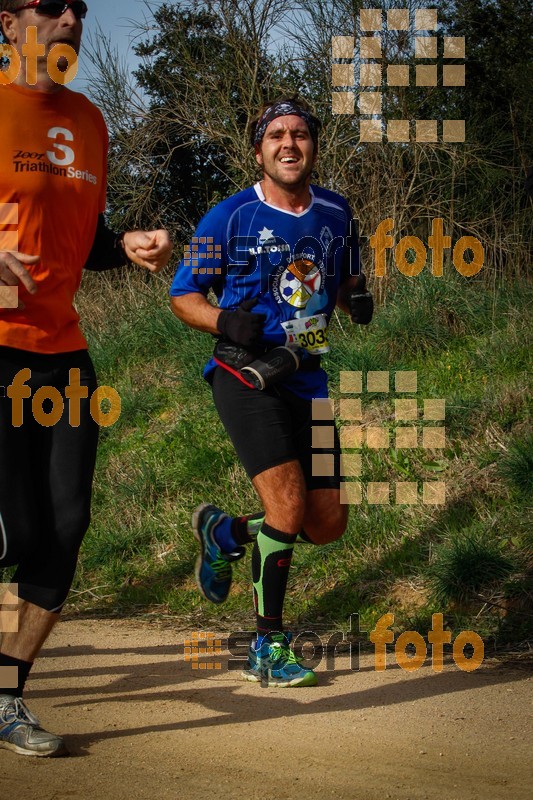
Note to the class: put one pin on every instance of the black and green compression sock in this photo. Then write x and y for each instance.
(271, 560)
(245, 529)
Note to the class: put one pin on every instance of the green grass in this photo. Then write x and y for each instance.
(168, 452)
(467, 566)
(517, 465)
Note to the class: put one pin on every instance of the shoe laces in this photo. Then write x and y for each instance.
(16, 711)
(283, 652)
(220, 567)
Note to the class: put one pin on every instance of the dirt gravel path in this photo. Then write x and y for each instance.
(140, 723)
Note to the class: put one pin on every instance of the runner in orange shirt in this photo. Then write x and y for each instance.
(52, 199)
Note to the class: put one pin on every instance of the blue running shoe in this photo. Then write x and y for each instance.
(275, 663)
(213, 567)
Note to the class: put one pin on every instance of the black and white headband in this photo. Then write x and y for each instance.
(283, 109)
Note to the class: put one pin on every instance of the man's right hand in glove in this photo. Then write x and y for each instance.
(242, 326)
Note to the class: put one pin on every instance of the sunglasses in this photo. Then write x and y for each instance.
(55, 8)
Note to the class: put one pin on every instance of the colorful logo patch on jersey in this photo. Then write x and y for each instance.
(299, 282)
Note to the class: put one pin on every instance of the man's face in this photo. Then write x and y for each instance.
(65, 29)
(287, 153)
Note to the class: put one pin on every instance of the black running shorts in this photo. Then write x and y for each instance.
(271, 427)
(45, 477)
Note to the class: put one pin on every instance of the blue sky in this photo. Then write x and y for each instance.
(114, 17)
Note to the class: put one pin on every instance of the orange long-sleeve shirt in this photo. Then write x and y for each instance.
(53, 166)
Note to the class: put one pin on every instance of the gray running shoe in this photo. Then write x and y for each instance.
(21, 731)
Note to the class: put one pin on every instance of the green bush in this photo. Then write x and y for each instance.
(517, 466)
(466, 564)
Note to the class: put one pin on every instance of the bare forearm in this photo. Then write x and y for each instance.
(194, 310)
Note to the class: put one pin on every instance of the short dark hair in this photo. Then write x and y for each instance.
(288, 98)
(7, 5)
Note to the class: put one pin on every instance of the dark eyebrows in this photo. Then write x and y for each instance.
(283, 129)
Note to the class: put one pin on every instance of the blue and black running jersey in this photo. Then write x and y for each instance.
(292, 263)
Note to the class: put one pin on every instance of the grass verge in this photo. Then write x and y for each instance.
(470, 557)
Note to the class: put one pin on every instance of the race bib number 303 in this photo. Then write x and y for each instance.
(311, 333)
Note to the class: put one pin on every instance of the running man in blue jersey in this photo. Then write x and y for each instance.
(279, 256)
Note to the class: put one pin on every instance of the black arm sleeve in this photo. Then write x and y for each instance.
(107, 251)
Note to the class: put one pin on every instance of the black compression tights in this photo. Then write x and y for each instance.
(45, 479)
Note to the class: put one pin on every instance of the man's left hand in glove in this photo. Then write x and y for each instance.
(355, 300)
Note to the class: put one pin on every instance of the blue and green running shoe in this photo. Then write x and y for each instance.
(213, 567)
(276, 664)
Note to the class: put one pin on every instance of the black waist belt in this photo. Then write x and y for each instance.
(308, 363)
(236, 356)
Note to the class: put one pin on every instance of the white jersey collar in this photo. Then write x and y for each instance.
(261, 196)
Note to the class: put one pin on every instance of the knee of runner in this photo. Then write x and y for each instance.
(45, 580)
(334, 532)
(49, 598)
(328, 529)
(287, 513)
(297, 504)
(70, 528)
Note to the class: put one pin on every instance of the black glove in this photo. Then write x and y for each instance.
(361, 303)
(240, 326)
